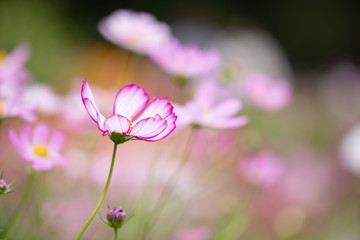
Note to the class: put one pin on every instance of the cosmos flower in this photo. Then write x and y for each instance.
(132, 116)
(204, 111)
(14, 106)
(262, 169)
(37, 148)
(137, 31)
(12, 70)
(266, 93)
(187, 61)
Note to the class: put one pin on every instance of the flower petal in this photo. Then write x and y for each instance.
(170, 127)
(148, 128)
(89, 102)
(56, 141)
(130, 101)
(15, 139)
(227, 108)
(40, 134)
(116, 123)
(160, 106)
(228, 123)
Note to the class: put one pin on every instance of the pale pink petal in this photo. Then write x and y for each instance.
(160, 106)
(15, 139)
(20, 54)
(43, 165)
(130, 101)
(117, 123)
(206, 94)
(170, 127)
(148, 128)
(40, 134)
(228, 123)
(56, 141)
(227, 108)
(25, 135)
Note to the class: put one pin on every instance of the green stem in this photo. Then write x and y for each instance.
(102, 196)
(116, 233)
(14, 219)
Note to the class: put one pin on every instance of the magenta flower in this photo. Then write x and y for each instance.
(187, 61)
(12, 69)
(263, 169)
(37, 148)
(132, 116)
(204, 111)
(14, 107)
(137, 31)
(265, 93)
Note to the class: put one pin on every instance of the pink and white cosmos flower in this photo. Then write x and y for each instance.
(37, 148)
(132, 116)
(204, 111)
(266, 93)
(137, 31)
(186, 61)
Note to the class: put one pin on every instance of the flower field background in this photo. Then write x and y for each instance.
(206, 124)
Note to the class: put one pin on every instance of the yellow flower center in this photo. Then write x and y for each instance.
(2, 107)
(41, 151)
(3, 55)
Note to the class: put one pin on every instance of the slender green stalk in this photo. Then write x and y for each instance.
(116, 233)
(166, 193)
(102, 196)
(15, 218)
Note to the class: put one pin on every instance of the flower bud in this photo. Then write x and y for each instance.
(116, 215)
(3, 185)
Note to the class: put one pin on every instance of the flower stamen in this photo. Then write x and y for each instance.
(2, 107)
(41, 151)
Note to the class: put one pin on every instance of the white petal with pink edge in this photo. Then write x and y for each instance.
(130, 101)
(170, 127)
(117, 123)
(148, 128)
(159, 106)
(89, 102)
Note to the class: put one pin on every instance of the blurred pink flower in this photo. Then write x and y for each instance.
(14, 106)
(200, 233)
(132, 116)
(35, 94)
(137, 31)
(205, 112)
(37, 148)
(266, 93)
(12, 71)
(263, 169)
(185, 60)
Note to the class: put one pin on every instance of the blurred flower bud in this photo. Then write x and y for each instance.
(115, 217)
(3, 185)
